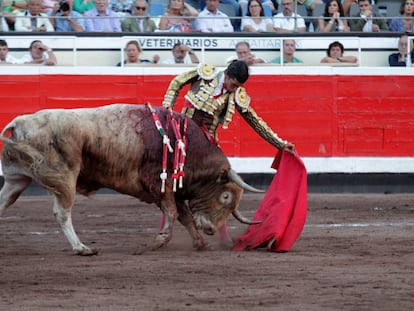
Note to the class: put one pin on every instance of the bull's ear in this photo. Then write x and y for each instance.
(223, 177)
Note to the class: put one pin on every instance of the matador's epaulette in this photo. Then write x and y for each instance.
(207, 71)
(242, 99)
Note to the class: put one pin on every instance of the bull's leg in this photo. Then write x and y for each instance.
(185, 217)
(169, 210)
(62, 207)
(224, 233)
(64, 199)
(12, 188)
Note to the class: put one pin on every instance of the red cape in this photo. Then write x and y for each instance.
(283, 209)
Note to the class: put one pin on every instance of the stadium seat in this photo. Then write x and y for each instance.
(388, 8)
(227, 9)
(156, 8)
(318, 10)
(354, 9)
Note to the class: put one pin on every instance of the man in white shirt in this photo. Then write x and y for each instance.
(32, 19)
(287, 21)
(5, 57)
(39, 54)
(180, 52)
(213, 20)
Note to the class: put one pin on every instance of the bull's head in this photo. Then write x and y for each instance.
(218, 200)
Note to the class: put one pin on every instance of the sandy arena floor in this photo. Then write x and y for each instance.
(355, 253)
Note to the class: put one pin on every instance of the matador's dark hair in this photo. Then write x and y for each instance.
(238, 70)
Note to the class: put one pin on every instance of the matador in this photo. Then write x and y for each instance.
(215, 95)
(213, 98)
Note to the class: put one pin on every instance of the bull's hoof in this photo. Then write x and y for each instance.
(160, 241)
(202, 246)
(86, 252)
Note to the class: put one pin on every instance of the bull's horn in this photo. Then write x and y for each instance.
(234, 177)
(243, 219)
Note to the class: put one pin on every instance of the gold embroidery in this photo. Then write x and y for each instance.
(207, 71)
(242, 99)
(203, 99)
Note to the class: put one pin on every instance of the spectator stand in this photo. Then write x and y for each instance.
(108, 49)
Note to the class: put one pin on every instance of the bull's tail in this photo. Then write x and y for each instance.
(21, 152)
(26, 155)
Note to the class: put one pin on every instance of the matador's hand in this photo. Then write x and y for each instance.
(290, 148)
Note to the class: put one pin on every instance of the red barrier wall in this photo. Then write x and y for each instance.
(326, 115)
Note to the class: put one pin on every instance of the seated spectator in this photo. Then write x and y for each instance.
(287, 21)
(234, 3)
(332, 19)
(255, 21)
(308, 4)
(32, 19)
(66, 19)
(400, 59)
(289, 48)
(180, 52)
(212, 20)
(133, 51)
(405, 23)
(245, 54)
(138, 22)
(96, 18)
(264, 3)
(234, 17)
(178, 17)
(83, 6)
(39, 54)
(5, 57)
(9, 10)
(335, 54)
(367, 20)
(231, 13)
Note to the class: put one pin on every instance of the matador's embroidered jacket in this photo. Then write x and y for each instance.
(208, 105)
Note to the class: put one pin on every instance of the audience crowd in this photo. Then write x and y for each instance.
(212, 16)
(202, 16)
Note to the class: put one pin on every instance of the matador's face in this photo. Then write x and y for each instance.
(231, 84)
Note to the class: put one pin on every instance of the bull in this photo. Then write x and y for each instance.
(118, 147)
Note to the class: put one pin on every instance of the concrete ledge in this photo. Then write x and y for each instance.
(346, 183)
(317, 183)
